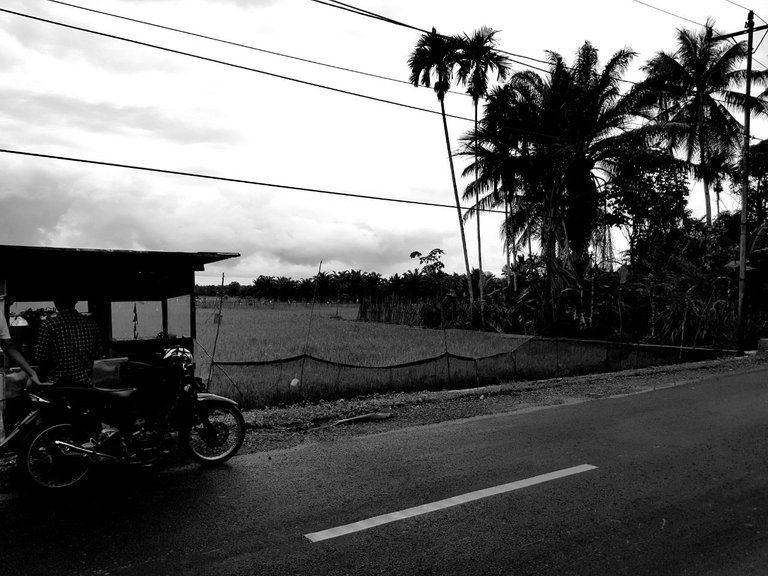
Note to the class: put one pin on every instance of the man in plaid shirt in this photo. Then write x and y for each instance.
(67, 345)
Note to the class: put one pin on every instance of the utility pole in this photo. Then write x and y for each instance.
(742, 317)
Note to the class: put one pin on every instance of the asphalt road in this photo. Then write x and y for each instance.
(677, 483)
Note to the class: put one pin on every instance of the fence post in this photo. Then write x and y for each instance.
(2, 402)
(338, 379)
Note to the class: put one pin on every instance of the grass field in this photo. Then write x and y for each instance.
(265, 332)
(274, 331)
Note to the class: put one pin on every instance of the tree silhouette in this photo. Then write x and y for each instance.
(477, 58)
(435, 55)
(694, 89)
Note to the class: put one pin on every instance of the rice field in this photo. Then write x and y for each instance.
(274, 331)
(270, 332)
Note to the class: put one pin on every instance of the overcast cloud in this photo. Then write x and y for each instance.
(74, 94)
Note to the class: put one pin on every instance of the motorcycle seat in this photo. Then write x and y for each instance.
(83, 394)
(121, 393)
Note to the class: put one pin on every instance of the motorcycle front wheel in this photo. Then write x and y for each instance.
(46, 462)
(216, 435)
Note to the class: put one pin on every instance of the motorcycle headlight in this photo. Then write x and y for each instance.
(179, 354)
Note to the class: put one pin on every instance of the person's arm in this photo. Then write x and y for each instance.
(98, 348)
(14, 354)
(43, 346)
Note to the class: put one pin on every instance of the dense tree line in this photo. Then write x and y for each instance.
(569, 154)
(573, 152)
(349, 286)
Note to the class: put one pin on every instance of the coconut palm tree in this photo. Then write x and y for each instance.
(487, 146)
(477, 58)
(694, 88)
(435, 55)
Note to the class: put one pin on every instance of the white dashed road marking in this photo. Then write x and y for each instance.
(443, 504)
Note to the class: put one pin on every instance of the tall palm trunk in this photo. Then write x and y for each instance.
(509, 235)
(703, 166)
(705, 182)
(458, 208)
(549, 253)
(481, 276)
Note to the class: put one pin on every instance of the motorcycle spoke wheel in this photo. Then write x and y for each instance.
(48, 465)
(216, 437)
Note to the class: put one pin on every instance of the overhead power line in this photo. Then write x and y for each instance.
(236, 44)
(745, 8)
(361, 12)
(668, 12)
(689, 20)
(297, 58)
(366, 13)
(337, 4)
(250, 69)
(375, 16)
(238, 180)
(230, 64)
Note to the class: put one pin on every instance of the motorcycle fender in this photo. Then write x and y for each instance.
(31, 420)
(206, 397)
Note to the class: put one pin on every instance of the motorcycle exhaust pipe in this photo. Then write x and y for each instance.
(85, 451)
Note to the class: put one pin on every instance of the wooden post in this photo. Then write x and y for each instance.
(2, 403)
(742, 314)
(741, 322)
(2, 366)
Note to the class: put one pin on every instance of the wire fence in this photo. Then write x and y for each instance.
(309, 378)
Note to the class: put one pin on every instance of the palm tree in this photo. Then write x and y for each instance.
(477, 57)
(694, 87)
(560, 136)
(436, 55)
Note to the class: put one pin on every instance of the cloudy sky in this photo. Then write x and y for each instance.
(69, 93)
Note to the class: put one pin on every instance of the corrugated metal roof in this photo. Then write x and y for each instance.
(34, 256)
(40, 272)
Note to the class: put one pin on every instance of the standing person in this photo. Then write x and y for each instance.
(67, 345)
(10, 350)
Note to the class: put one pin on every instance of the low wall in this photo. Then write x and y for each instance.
(551, 357)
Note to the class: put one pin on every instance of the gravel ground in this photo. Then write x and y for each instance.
(275, 428)
(286, 427)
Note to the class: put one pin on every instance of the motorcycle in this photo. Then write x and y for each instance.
(67, 431)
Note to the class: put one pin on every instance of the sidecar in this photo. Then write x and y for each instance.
(142, 301)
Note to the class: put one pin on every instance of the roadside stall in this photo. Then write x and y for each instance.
(142, 301)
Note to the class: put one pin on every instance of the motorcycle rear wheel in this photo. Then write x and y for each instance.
(216, 436)
(46, 465)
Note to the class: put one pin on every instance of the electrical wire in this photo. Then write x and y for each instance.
(338, 4)
(238, 44)
(334, 5)
(748, 9)
(249, 69)
(692, 21)
(237, 180)
(297, 58)
(216, 61)
(361, 12)
(761, 41)
(232, 65)
(367, 13)
(668, 12)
